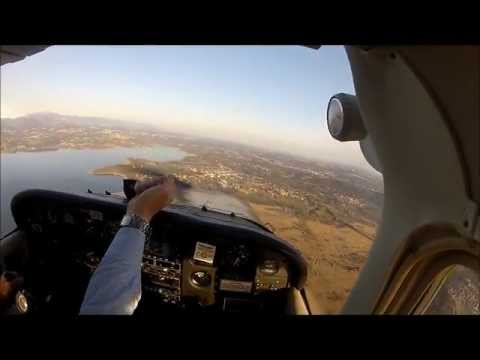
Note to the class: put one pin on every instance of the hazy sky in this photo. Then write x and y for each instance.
(275, 96)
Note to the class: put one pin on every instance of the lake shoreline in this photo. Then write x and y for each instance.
(143, 169)
(53, 149)
(68, 170)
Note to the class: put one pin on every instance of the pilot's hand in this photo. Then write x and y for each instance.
(152, 196)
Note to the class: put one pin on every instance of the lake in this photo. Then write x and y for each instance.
(69, 171)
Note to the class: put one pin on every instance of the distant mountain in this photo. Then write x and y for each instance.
(57, 121)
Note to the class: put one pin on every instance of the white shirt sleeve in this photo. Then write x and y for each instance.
(115, 287)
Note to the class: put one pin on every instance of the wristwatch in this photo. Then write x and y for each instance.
(136, 222)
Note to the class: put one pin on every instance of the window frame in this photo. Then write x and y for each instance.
(423, 266)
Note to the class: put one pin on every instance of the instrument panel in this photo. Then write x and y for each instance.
(190, 262)
(179, 271)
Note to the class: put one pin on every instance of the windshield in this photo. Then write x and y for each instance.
(244, 126)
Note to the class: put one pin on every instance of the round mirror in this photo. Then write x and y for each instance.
(343, 118)
(335, 117)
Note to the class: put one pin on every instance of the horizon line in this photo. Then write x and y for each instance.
(192, 133)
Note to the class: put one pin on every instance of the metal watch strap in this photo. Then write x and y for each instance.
(136, 222)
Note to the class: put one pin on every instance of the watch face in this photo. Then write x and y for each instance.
(135, 222)
(126, 220)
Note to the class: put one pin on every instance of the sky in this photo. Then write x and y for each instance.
(269, 96)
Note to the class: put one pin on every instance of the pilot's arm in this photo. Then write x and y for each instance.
(115, 287)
